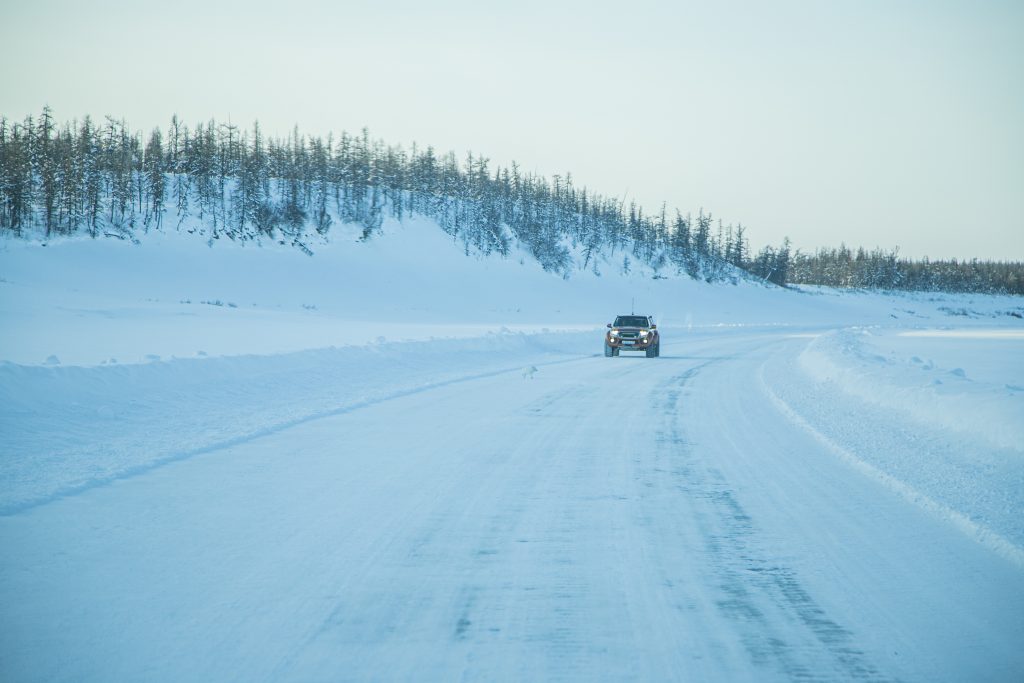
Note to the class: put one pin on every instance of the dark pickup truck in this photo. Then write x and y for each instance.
(632, 333)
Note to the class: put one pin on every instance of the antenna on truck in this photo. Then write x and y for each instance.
(632, 305)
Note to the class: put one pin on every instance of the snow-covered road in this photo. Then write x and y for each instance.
(702, 516)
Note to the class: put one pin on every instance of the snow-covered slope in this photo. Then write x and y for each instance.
(85, 302)
(394, 460)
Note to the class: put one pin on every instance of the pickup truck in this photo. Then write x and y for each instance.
(632, 333)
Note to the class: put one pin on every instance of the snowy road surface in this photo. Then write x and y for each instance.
(702, 516)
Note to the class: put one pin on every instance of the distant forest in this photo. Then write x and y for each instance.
(105, 179)
(879, 269)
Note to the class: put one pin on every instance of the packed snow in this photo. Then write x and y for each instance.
(396, 460)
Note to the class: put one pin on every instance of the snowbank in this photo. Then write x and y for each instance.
(936, 416)
(969, 381)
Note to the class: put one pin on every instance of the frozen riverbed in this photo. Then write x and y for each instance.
(627, 518)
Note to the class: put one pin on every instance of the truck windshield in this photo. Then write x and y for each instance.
(630, 321)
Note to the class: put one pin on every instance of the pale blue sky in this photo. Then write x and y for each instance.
(876, 123)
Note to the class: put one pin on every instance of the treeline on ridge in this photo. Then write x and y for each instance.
(62, 179)
(242, 185)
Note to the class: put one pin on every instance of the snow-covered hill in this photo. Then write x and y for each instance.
(81, 301)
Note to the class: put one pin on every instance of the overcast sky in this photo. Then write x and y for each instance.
(878, 123)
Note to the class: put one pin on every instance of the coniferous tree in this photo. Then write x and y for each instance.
(154, 179)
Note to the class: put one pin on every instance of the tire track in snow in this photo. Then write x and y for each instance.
(128, 473)
(470, 538)
(760, 596)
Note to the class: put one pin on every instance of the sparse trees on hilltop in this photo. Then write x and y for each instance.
(245, 186)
